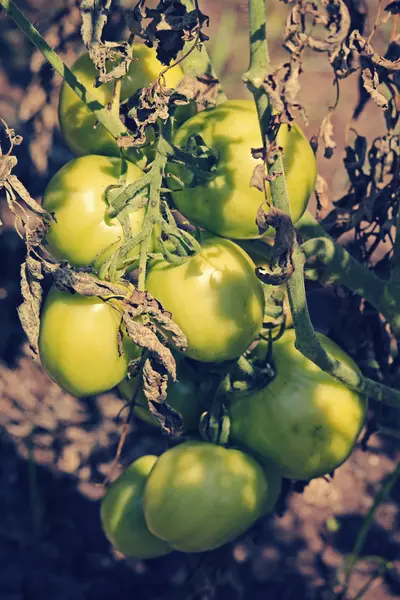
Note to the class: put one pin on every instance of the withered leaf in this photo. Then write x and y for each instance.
(143, 303)
(322, 193)
(87, 284)
(371, 82)
(258, 178)
(94, 15)
(155, 380)
(393, 7)
(360, 44)
(281, 257)
(326, 135)
(29, 309)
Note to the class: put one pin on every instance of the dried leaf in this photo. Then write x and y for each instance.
(29, 310)
(155, 380)
(258, 178)
(360, 44)
(281, 257)
(87, 284)
(393, 7)
(322, 194)
(94, 15)
(140, 303)
(371, 82)
(326, 135)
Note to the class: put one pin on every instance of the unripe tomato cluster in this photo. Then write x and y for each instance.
(197, 495)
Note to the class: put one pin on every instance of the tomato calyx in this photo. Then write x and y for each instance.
(255, 369)
(214, 424)
(201, 160)
(174, 244)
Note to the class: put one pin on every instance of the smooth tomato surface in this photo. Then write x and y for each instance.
(199, 496)
(304, 419)
(214, 297)
(122, 515)
(82, 233)
(273, 474)
(81, 131)
(227, 205)
(185, 396)
(78, 343)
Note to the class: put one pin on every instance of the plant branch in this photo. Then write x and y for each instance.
(329, 262)
(307, 341)
(153, 210)
(107, 118)
(333, 264)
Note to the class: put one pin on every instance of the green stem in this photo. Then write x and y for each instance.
(328, 262)
(109, 120)
(308, 227)
(307, 341)
(153, 210)
(259, 65)
(338, 266)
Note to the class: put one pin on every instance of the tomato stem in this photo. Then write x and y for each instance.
(110, 121)
(306, 339)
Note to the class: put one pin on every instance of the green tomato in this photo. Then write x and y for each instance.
(83, 234)
(200, 496)
(81, 131)
(78, 343)
(227, 205)
(214, 297)
(122, 515)
(304, 420)
(273, 474)
(185, 396)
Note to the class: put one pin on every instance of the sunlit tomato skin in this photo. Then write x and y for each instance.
(214, 297)
(81, 131)
(199, 496)
(122, 515)
(304, 419)
(78, 343)
(227, 205)
(186, 396)
(273, 474)
(83, 234)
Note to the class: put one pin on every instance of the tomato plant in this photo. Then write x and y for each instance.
(79, 125)
(186, 395)
(122, 515)
(78, 343)
(304, 419)
(214, 297)
(200, 495)
(304, 423)
(227, 205)
(82, 233)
